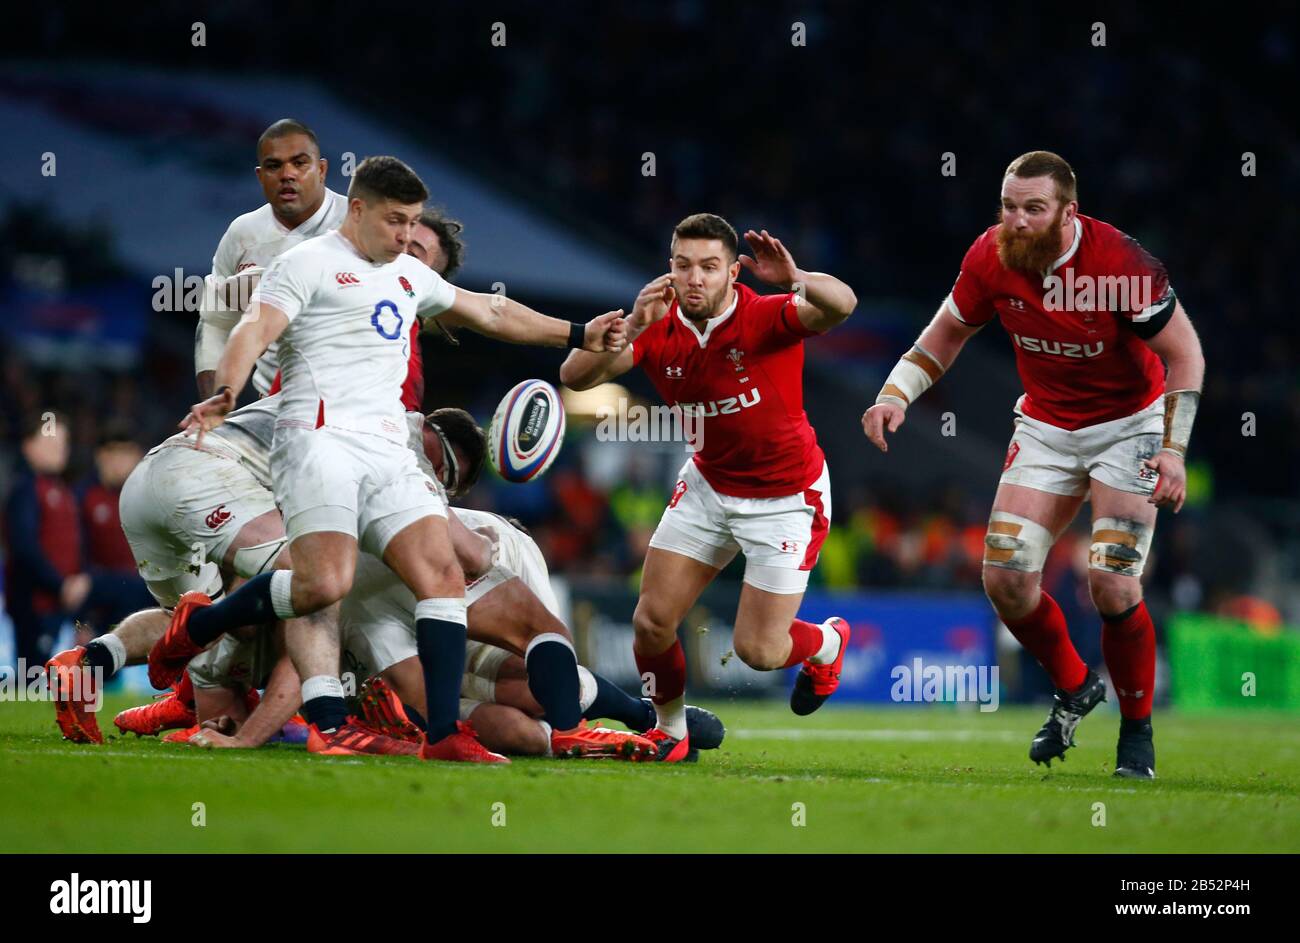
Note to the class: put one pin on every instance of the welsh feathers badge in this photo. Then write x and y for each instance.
(406, 286)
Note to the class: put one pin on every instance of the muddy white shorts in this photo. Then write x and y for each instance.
(1060, 461)
(780, 537)
(235, 663)
(517, 555)
(181, 509)
(377, 625)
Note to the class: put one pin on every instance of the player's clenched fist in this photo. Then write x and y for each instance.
(879, 419)
(210, 413)
(606, 333)
(1171, 489)
(652, 303)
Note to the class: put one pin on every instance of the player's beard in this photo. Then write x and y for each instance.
(710, 307)
(1031, 252)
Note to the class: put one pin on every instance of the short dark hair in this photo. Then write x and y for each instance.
(115, 432)
(283, 128)
(518, 525)
(461, 430)
(387, 178)
(708, 226)
(1046, 164)
(448, 231)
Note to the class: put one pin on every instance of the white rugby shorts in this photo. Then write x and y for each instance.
(780, 537)
(181, 509)
(1060, 461)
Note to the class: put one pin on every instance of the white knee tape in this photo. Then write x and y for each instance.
(1016, 543)
(1119, 546)
(250, 561)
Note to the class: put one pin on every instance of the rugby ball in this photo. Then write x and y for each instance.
(526, 431)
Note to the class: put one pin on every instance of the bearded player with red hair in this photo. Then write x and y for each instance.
(1091, 315)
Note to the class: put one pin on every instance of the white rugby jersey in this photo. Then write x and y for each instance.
(344, 355)
(245, 436)
(255, 239)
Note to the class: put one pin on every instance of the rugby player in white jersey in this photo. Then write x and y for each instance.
(341, 306)
(298, 207)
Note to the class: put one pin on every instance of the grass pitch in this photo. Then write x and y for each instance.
(879, 779)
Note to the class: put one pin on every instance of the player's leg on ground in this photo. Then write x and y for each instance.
(508, 730)
(128, 643)
(325, 561)
(406, 678)
(422, 556)
(1123, 524)
(1023, 525)
(512, 617)
(670, 585)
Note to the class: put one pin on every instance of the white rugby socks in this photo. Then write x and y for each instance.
(830, 649)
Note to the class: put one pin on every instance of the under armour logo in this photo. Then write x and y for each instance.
(789, 546)
(674, 373)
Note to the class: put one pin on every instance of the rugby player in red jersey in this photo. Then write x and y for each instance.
(757, 483)
(1091, 315)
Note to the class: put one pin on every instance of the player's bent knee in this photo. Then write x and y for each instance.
(1113, 594)
(1119, 546)
(1010, 591)
(317, 590)
(761, 654)
(652, 629)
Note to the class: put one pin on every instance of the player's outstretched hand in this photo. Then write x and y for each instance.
(652, 303)
(210, 413)
(879, 419)
(1171, 488)
(606, 333)
(771, 262)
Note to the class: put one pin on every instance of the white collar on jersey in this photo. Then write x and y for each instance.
(311, 223)
(710, 324)
(1069, 253)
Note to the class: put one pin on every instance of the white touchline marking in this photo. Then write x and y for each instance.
(802, 733)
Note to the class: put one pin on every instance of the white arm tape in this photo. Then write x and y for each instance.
(216, 322)
(1180, 413)
(914, 373)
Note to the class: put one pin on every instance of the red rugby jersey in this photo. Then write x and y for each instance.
(1078, 330)
(743, 378)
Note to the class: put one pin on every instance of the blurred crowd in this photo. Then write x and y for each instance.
(1157, 122)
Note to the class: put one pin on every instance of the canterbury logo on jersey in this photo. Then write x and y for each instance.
(347, 278)
(722, 407)
(1039, 346)
(217, 518)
